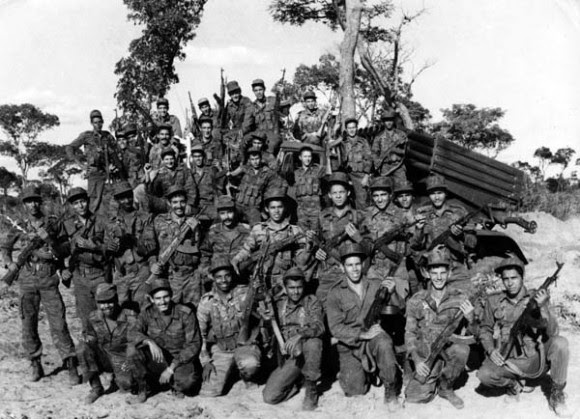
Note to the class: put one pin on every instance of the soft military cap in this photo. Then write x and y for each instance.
(29, 193)
(510, 262)
(105, 292)
(232, 86)
(225, 202)
(254, 150)
(258, 82)
(122, 188)
(197, 148)
(162, 101)
(403, 186)
(439, 256)
(158, 285)
(352, 249)
(382, 182)
(167, 151)
(130, 129)
(175, 190)
(202, 101)
(294, 272)
(309, 95)
(275, 194)
(165, 126)
(220, 263)
(75, 193)
(389, 114)
(340, 178)
(95, 114)
(435, 182)
(350, 120)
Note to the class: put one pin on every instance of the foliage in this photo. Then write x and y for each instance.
(544, 156)
(61, 173)
(561, 204)
(22, 125)
(8, 180)
(473, 128)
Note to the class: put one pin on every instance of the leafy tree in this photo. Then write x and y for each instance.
(533, 172)
(8, 180)
(60, 173)
(544, 156)
(562, 156)
(473, 128)
(22, 124)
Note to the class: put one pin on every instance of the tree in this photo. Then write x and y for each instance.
(149, 70)
(473, 128)
(61, 173)
(544, 156)
(533, 172)
(8, 180)
(562, 156)
(22, 125)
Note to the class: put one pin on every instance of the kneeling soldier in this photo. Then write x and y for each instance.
(361, 352)
(302, 325)
(104, 348)
(429, 312)
(167, 343)
(219, 315)
(541, 347)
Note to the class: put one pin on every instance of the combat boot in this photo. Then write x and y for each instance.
(310, 396)
(446, 392)
(73, 375)
(391, 399)
(37, 372)
(557, 401)
(97, 390)
(141, 395)
(512, 393)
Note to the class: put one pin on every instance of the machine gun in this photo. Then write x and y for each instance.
(530, 318)
(382, 300)
(274, 248)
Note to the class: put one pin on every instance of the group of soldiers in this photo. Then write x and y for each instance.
(189, 273)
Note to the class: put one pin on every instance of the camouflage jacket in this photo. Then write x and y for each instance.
(132, 164)
(308, 122)
(166, 228)
(181, 176)
(359, 158)
(307, 181)
(384, 142)
(376, 223)
(254, 185)
(155, 154)
(237, 113)
(112, 341)
(180, 336)
(207, 182)
(94, 149)
(222, 241)
(94, 229)
(330, 224)
(304, 318)
(262, 116)
(170, 120)
(213, 149)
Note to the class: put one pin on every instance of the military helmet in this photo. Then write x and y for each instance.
(436, 182)
(403, 186)
(122, 188)
(381, 183)
(219, 263)
(130, 129)
(511, 261)
(353, 249)
(260, 135)
(31, 192)
(225, 202)
(105, 292)
(439, 256)
(75, 193)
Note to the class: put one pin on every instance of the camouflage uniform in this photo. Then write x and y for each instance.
(216, 123)
(304, 318)
(132, 161)
(180, 176)
(308, 190)
(221, 241)
(263, 116)
(207, 183)
(171, 120)
(307, 124)
(236, 113)
(219, 320)
(179, 338)
(387, 141)
(253, 186)
(213, 150)
(358, 164)
(155, 154)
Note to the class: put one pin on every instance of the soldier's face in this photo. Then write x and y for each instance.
(226, 217)
(163, 110)
(310, 104)
(257, 143)
(169, 161)
(164, 136)
(275, 210)
(255, 160)
(97, 124)
(178, 204)
(205, 129)
(204, 108)
(81, 206)
(352, 266)
(122, 143)
(223, 280)
(439, 275)
(259, 92)
(162, 300)
(512, 281)
(381, 199)
(198, 159)
(389, 124)
(338, 195)
(126, 201)
(235, 96)
(33, 206)
(405, 200)
(107, 307)
(306, 158)
(351, 129)
(294, 289)
(437, 198)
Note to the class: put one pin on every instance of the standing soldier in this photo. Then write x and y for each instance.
(219, 315)
(307, 189)
(167, 343)
(429, 312)
(105, 343)
(39, 282)
(286, 122)
(276, 229)
(185, 285)
(131, 244)
(358, 162)
(389, 141)
(87, 264)
(211, 143)
(302, 326)
(163, 142)
(541, 347)
(131, 158)
(163, 117)
(309, 121)
(362, 353)
(237, 107)
(102, 164)
(207, 182)
(206, 112)
(263, 116)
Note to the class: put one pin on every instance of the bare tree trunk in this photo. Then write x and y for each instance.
(353, 12)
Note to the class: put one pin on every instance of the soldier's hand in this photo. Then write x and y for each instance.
(156, 352)
(293, 346)
(497, 358)
(191, 221)
(147, 168)
(310, 234)
(422, 369)
(44, 254)
(365, 181)
(389, 284)
(156, 268)
(321, 255)
(456, 230)
(542, 297)
(114, 245)
(264, 313)
(166, 376)
(467, 308)
(85, 243)
(353, 232)
(12, 266)
(42, 233)
(66, 276)
(208, 370)
(373, 332)
(421, 222)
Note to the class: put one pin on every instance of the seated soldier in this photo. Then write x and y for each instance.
(220, 314)
(166, 342)
(542, 349)
(302, 326)
(429, 312)
(104, 347)
(362, 353)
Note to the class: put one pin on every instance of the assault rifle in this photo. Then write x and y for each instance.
(530, 318)
(443, 237)
(274, 248)
(165, 256)
(331, 244)
(382, 242)
(382, 299)
(195, 131)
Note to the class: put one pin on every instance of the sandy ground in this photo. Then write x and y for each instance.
(52, 397)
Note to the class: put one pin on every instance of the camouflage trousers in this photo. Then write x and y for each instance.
(186, 285)
(94, 360)
(283, 380)
(245, 358)
(55, 311)
(307, 211)
(131, 288)
(85, 281)
(447, 367)
(100, 193)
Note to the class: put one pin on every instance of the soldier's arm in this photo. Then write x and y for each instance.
(250, 244)
(315, 326)
(193, 340)
(71, 149)
(137, 333)
(303, 251)
(411, 327)
(347, 334)
(486, 326)
(61, 244)
(191, 188)
(249, 123)
(204, 318)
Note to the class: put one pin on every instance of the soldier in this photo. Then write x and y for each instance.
(211, 143)
(286, 121)
(309, 121)
(263, 116)
(131, 244)
(206, 112)
(102, 165)
(542, 347)
(105, 343)
(131, 158)
(163, 142)
(39, 282)
(258, 139)
(163, 117)
(87, 264)
(302, 326)
(362, 353)
(428, 313)
(256, 180)
(166, 343)
(237, 107)
(208, 183)
(277, 228)
(390, 142)
(307, 189)
(358, 162)
(219, 315)
(185, 285)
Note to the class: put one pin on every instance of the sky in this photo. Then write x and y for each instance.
(520, 55)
